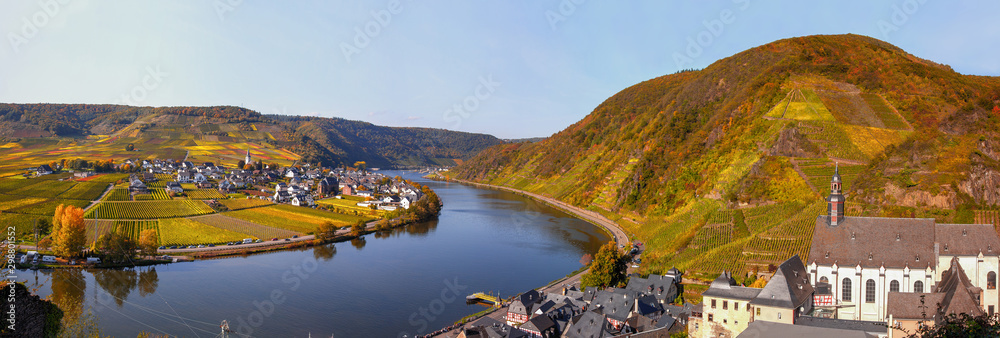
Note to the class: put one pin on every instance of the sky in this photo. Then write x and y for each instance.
(512, 69)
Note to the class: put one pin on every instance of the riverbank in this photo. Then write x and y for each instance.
(609, 226)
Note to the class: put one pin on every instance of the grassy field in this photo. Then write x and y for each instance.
(244, 227)
(148, 209)
(183, 231)
(48, 207)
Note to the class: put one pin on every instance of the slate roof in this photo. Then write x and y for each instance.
(661, 287)
(725, 287)
(906, 305)
(538, 324)
(589, 325)
(762, 328)
(872, 328)
(873, 241)
(966, 239)
(788, 288)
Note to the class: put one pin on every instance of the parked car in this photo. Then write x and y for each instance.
(201, 246)
(93, 260)
(274, 239)
(162, 247)
(48, 259)
(247, 240)
(295, 236)
(173, 247)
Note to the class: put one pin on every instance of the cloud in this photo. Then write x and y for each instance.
(413, 118)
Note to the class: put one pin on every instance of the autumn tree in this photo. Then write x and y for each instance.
(130, 147)
(358, 228)
(325, 231)
(240, 164)
(57, 219)
(248, 166)
(361, 165)
(72, 234)
(607, 269)
(115, 247)
(383, 224)
(148, 242)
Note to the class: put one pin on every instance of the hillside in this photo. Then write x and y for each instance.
(726, 167)
(222, 134)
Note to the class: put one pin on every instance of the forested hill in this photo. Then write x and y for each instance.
(682, 159)
(332, 141)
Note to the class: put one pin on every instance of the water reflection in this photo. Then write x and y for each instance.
(68, 290)
(359, 243)
(119, 283)
(324, 252)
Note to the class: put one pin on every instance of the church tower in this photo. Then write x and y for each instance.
(835, 202)
(247, 161)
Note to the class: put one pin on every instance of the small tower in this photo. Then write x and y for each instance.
(247, 161)
(835, 202)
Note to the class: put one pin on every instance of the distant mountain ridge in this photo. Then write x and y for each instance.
(332, 141)
(678, 159)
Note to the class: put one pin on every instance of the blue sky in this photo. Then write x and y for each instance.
(508, 68)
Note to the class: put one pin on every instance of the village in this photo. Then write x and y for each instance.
(864, 278)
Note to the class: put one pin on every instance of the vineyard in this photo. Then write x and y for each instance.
(832, 138)
(133, 229)
(791, 236)
(184, 231)
(153, 195)
(244, 227)
(299, 219)
(819, 175)
(97, 228)
(244, 203)
(41, 188)
(148, 209)
(204, 194)
(889, 117)
(988, 217)
(118, 195)
(85, 191)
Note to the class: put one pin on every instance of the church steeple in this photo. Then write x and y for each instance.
(247, 161)
(835, 202)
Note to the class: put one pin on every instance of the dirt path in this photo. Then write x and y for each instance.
(99, 199)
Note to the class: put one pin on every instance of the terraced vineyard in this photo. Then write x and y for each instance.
(789, 237)
(244, 227)
(819, 175)
(988, 217)
(148, 209)
(244, 203)
(889, 117)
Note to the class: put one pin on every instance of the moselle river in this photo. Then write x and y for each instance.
(411, 281)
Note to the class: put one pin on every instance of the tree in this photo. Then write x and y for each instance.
(358, 228)
(148, 242)
(72, 235)
(54, 165)
(274, 166)
(130, 147)
(607, 269)
(115, 247)
(361, 165)
(248, 166)
(325, 231)
(383, 224)
(963, 325)
(240, 164)
(57, 219)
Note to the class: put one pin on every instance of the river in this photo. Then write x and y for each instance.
(410, 281)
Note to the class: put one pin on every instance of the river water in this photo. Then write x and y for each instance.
(410, 281)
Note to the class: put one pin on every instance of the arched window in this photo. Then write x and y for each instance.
(894, 286)
(870, 291)
(847, 290)
(918, 286)
(824, 280)
(991, 280)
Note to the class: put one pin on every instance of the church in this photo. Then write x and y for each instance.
(858, 261)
